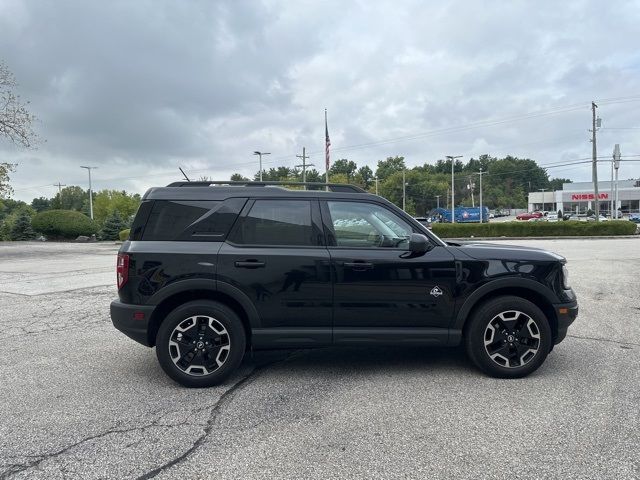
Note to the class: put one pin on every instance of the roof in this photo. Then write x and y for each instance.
(221, 190)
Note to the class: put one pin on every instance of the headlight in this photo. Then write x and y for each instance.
(565, 278)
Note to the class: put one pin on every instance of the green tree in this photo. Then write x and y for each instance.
(364, 177)
(40, 204)
(108, 201)
(5, 170)
(444, 166)
(344, 167)
(11, 210)
(556, 183)
(70, 198)
(22, 229)
(279, 174)
(389, 166)
(315, 176)
(112, 226)
(236, 177)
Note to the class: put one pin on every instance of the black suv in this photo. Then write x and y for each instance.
(212, 269)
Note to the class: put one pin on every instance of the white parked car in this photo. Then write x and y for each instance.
(552, 217)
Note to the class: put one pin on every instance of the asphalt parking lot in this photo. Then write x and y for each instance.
(80, 400)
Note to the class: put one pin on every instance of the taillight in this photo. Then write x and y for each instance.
(122, 269)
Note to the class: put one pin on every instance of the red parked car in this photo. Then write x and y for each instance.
(529, 216)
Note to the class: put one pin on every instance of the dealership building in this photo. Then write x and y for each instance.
(579, 197)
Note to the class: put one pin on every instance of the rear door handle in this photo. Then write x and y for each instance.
(250, 264)
(359, 266)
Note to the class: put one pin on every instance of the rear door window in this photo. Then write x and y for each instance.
(278, 222)
(192, 220)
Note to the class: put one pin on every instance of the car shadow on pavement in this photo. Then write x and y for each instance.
(367, 359)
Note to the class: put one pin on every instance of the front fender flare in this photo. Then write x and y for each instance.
(497, 284)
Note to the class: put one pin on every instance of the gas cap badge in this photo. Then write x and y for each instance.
(436, 292)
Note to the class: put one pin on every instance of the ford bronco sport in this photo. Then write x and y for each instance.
(213, 269)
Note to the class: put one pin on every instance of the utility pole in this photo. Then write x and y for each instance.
(59, 185)
(376, 185)
(481, 211)
(304, 165)
(594, 161)
(471, 187)
(90, 191)
(260, 156)
(453, 203)
(438, 201)
(404, 191)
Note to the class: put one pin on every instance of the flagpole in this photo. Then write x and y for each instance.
(326, 147)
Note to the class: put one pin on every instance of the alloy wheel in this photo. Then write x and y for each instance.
(199, 345)
(512, 339)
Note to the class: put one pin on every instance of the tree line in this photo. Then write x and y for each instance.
(505, 181)
(113, 211)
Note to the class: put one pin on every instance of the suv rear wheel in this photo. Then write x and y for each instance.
(200, 343)
(508, 337)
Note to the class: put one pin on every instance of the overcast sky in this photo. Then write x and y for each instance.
(138, 88)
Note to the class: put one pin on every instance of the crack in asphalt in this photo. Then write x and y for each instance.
(213, 416)
(604, 340)
(17, 468)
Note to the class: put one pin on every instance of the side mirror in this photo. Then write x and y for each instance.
(419, 244)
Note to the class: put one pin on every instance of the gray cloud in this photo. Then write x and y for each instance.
(141, 88)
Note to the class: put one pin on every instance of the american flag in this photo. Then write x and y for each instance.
(327, 142)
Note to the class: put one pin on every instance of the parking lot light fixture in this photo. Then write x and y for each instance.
(260, 156)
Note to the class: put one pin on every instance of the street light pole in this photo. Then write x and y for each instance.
(453, 203)
(438, 201)
(260, 156)
(90, 191)
(594, 162)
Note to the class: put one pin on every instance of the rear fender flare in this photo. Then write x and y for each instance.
(203, 284)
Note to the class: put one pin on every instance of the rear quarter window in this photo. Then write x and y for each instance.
(191, 220)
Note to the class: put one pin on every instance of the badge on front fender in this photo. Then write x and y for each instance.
(436, 292)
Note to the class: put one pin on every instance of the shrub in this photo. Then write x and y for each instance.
(124, 234)
(22, 229)
(63, 224)
(534, 229)
(112, 226)
(8, 222)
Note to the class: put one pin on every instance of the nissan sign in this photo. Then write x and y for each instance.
(588, 196)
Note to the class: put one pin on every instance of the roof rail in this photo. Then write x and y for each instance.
(332, 187)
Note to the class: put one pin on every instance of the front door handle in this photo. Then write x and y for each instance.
(250, 264)
(359, 266)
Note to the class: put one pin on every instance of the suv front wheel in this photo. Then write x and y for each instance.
(508, 337)
(200, 343)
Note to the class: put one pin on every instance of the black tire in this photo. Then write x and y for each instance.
(200, 343)
(508, 337)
